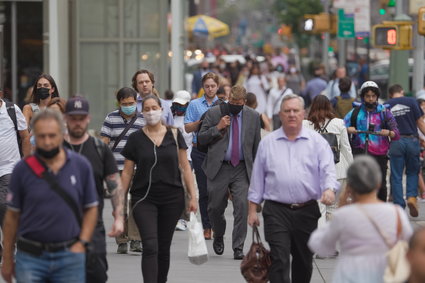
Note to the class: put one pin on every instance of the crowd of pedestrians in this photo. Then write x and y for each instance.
(312, 157)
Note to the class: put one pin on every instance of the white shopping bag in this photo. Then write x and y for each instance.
(197, 253)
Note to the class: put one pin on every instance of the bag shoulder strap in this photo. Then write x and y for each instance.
(353, 120)
(11, 111)
(100, 148)
(174, 131)
(127, 127)
(380, 232)
(40, 170)
(324, 130)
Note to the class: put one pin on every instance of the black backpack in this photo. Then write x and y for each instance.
(10, 107)
(224, 111)
(332, 139)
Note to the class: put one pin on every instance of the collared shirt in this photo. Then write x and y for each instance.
(44, 215)
(228, 154)
(167, 115)
(196, 108)
(292, 171)
(112, 128)
(9, 149)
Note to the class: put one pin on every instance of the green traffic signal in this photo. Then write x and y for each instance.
(382, 11)
(391, 3)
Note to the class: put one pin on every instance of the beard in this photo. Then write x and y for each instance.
(77, 132)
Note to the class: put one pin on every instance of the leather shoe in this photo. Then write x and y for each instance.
(218, 245)
(207, 234)
(238, 254)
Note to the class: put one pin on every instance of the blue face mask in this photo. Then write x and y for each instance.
(128, 110)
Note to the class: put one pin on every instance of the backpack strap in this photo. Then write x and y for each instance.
(354, 114)
(40, 170)
(324, 130)
(127, 127)
(100, 148)
(10, 107)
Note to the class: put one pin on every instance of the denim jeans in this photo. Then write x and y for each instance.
(58, 267)
(404, 153)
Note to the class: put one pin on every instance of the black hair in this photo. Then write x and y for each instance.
(251, 99)
(395, 89)
(169, 94)
(344, 84)
(375, 90)
(126, 92)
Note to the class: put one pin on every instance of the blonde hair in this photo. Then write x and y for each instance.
(237, 92)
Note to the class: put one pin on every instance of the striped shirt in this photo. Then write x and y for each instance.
(113, 126)
(196, 108)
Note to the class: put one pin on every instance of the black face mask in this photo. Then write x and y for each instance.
(48, 154)
(42, 92)
(235, 109)
(371, 105)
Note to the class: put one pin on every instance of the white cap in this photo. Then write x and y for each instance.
(182, 97)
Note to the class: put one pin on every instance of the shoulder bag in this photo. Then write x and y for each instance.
(332, 139)
(127, 127)
(398, 268)
(256, 263)
(40, 170)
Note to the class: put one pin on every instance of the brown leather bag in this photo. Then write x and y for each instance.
(256, 263)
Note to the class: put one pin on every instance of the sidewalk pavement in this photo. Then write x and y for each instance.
(223, 269)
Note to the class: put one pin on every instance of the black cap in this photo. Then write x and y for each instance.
(77, 105)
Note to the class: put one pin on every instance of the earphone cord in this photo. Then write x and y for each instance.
(149, 184)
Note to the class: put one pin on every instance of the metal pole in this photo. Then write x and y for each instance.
(177, 45)
(418, 67)
(54, 59)
(14, 65)
(1, 58)
(342, 57)
(325, 52)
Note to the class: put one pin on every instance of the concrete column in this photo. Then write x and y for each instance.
(177, 48)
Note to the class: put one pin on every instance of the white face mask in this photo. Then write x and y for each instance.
(153, 117)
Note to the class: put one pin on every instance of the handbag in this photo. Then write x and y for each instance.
(398, 268)
(256, 263)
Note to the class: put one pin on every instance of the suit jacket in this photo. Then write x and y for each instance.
(216, 151)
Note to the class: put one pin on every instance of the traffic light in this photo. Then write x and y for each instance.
(319, 23)
(393, 35)
(421, 21)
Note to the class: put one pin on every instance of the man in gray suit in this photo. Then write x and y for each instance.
(233, 139)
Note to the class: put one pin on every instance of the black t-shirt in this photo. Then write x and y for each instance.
(103, 166)
(141, 150)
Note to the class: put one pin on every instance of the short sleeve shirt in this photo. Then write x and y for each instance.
(112, 128)
(196, 108)
(406, 112)
(9, 149)
(102, 166)
(44, 215)
(141, 150)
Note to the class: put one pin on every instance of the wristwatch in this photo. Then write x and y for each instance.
(84, 243)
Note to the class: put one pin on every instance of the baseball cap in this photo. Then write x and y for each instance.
(77, 105)
(181, 97)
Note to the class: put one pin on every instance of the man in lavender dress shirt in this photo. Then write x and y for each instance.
(293, 168)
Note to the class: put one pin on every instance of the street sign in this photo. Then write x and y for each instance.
(414, 6)
(345, 24)
(362, 17)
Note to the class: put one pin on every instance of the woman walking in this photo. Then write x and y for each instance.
(257, 84)
(157, 190)
(362, 229)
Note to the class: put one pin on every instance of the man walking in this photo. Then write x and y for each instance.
(228, 165)
(52, 209)
(104, 169)
(274, 99)
(12, 126)
(332, 90)
(404, 153)
(314, 86)
(372, 116)
(294, 167)
(143, 82)
(192, 120)
(116, 129)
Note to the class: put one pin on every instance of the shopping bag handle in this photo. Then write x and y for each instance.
(256, 235)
